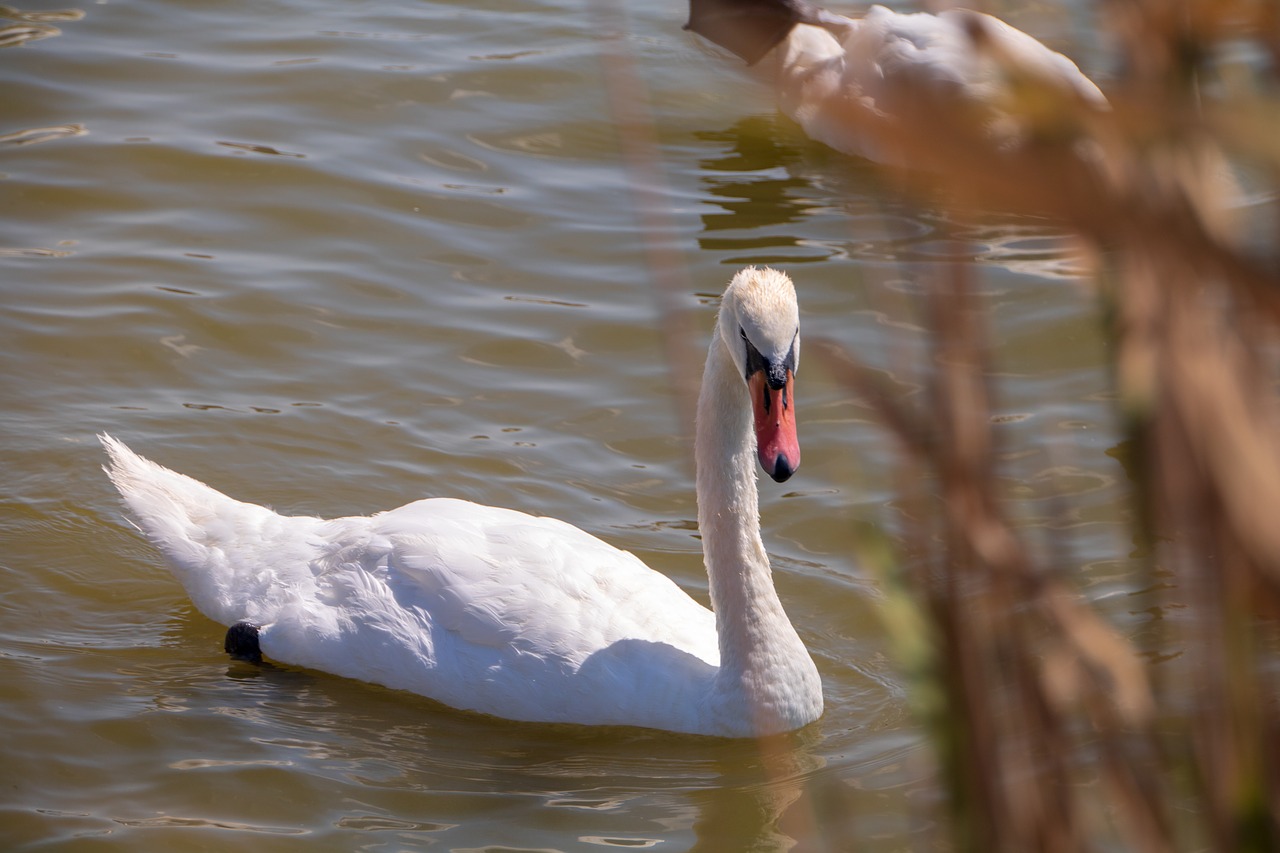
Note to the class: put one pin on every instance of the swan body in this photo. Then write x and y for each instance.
(902, 88)
(518, 616)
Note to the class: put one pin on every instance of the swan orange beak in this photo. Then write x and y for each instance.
(777, 445)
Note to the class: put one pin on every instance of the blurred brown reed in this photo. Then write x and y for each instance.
(1052, 733)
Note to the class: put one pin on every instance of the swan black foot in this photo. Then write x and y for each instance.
(242, 642)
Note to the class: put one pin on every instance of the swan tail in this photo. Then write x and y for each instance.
(229, 556)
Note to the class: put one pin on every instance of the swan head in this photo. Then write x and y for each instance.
(759, 324)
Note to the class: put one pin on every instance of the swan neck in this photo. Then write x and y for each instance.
(766, 681)
(728, 501)
(747, 608)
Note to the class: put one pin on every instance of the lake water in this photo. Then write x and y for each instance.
(334, 256)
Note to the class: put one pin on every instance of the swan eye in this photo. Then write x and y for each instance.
(776, 373)
(755, 361)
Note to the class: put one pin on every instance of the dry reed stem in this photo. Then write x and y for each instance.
(1026, 691)
(1034, 679)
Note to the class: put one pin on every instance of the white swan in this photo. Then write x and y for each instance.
(913, 90)
(522, 617)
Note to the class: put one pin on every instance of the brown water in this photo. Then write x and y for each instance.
(335, 256)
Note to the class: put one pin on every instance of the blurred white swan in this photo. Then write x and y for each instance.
(517, 616)
(903, 89)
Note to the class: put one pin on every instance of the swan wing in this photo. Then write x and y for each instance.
(497, 611)
(481, 608)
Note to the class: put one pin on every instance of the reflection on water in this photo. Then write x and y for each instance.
(756, 195)
(424, 771)
(794, 203)
(754, 189)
